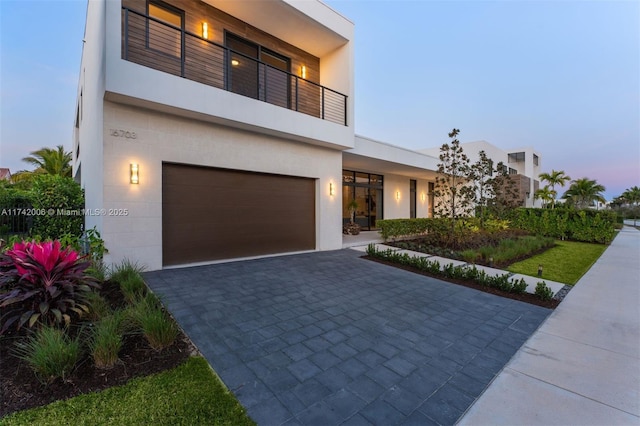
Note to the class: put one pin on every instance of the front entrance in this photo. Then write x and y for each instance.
(366, 190)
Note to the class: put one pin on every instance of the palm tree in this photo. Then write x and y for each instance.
(583, 192)
(554, 178)
(51, 161)
(632, 195)
(546, 195)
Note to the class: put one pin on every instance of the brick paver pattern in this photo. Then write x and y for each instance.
(328, 338)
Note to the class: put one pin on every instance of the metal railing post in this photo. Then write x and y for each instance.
(297, 93)
(266, 83)
(345, 110)
(182, 53)
(126, 34)
(322, 101)
(227, 68)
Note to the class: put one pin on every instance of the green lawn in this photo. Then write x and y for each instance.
(565, 263)
(187, 395)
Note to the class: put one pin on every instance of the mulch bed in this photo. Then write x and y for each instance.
(524, 297)
(20, 389)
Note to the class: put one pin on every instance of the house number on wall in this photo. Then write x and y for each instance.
(119, 133)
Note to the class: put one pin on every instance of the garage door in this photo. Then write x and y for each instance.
(210, 214)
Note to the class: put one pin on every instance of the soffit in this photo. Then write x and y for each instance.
(288, 23)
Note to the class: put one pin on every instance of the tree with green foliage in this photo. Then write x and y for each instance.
(50, 161)
(453, 192)
(582, 193)
(632, 195)
(546, 194)
(506, 193)
(628, 204)
(482, 174)
(554, 178)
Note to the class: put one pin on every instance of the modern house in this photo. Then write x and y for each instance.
(216, 129)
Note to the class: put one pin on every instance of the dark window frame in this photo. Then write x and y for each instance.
(260, 49)
(172, 9)
(413, 200)
(370, 185)
(517, 157)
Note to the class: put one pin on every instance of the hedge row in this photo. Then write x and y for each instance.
(591, 226)
(502, 282)
(398, 228)
(54, 204)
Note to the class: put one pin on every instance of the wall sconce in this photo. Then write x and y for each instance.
(205, 30)
(133, 176)
(423, 197)
(235, 63)
(398, 195)
(331, 188)
(303, 72)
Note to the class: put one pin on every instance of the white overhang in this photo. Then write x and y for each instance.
(373, 156)
(309, 25)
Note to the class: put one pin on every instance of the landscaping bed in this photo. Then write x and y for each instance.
(523, 297)
(494, 249)
(21, 389)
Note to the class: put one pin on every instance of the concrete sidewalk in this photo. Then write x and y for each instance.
(582, 366)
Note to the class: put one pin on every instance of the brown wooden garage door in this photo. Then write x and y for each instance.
(210, 214)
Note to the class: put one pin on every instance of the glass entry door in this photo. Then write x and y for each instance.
(366, 191)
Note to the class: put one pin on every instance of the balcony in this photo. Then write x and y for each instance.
(164, 47)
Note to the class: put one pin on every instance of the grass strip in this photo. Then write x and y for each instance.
(566, 263)
(190, 394)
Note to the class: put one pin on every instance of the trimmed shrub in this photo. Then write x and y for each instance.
(464, 273)
(591, 226)
(543, 291)
(63, 197)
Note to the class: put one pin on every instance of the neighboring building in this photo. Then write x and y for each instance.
(216, 129)
(524, 166)
(5, 174)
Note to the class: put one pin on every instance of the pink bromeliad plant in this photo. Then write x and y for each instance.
(41, 282)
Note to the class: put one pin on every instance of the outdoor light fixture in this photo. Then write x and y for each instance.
(133, 169)
(331, 188)
(303, 72)
(235, 63)
(397, 195)
(423, 197)
(205, 30)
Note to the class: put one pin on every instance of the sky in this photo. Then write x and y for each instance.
(560, 76)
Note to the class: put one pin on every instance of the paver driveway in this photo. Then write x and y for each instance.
(328, 338)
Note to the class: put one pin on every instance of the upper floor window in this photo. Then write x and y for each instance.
(512, 171)
(258, 72)
(535, 160)
(516, 157)
(160, 36)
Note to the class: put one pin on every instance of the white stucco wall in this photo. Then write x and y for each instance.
(89, 133)
(162, 137)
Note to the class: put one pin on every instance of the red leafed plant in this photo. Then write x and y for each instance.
(40, 282)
